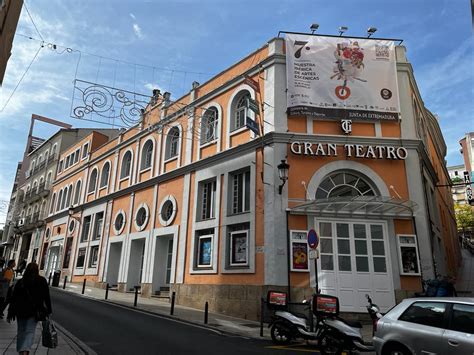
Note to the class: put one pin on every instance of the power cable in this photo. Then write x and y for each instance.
(19, 82)
(33, 22)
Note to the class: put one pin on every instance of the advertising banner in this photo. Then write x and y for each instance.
(341, 78)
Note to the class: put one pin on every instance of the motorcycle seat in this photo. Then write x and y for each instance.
(352, 323)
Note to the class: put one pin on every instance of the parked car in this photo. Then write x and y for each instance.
(441, 325)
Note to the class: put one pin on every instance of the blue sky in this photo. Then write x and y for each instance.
(190, 40)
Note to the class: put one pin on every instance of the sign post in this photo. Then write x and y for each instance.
(313, 242)
(467, 181)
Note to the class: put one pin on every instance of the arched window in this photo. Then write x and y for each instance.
(92, 181)
(53, 201)
(77, 193)
(126, 165)
(344, 184)
(104, 176)
(209, 125)
(35, 187)
(69, 196)
(48, 178)
(240, 111)
(172, 143)
(147, 155)
(60, 197)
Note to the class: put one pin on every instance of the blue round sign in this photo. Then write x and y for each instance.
(313, 239)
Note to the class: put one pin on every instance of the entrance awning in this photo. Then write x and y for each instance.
(363, 206)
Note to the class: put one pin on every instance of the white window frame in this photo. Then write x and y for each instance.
(87, 238)
(198, 254)
(119, 231)
(168, 222)
(123, 178)
(143, 158)
(90, 265)
(145, 223)
(201, 188)
(411, 245)
(85, 258)
(231, 188)
(168, 155)
(95, 230)
(101, 187)
(299, 241)
(85, 150)
(231, 236)
(89, 192)
(204, 139)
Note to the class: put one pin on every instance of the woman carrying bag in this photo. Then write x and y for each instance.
(30, 303)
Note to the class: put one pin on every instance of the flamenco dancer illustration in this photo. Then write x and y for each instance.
(349, 66)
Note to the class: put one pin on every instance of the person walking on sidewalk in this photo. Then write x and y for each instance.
(7, 285)
(30, 303)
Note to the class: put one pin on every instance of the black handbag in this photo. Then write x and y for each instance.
(49, 335)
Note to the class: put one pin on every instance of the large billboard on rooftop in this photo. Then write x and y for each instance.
(341, 78)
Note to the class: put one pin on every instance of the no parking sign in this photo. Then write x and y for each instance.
(313, 239)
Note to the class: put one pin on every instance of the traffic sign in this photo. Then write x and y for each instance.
(253, 105)
(252, 125)
(313, 239)
(313, 254)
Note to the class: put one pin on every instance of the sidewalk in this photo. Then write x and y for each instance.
(66, 346)
(226, 324)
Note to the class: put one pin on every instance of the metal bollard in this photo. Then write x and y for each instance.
(107, 291)
(206, 311)
(173, 297)
(84, 286)
(136, 296)
(65, 281)
(49, 279)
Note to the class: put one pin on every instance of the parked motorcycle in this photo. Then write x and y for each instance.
(374, 313)
(332, 333)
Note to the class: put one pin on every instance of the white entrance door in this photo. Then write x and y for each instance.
(354, 262)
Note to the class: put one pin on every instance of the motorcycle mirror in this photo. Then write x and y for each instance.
(304, 301)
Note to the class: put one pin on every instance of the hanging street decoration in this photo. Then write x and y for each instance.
(108, 105)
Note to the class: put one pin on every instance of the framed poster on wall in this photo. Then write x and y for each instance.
(299, 251)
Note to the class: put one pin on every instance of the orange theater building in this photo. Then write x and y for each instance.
(195, 199)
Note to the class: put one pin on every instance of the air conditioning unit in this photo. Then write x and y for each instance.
(21, 222)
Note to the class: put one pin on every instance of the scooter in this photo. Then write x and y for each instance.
(287, 326)
(374, 313)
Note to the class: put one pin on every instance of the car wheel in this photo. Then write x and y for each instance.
(396, 349)
(329, 345)
(279, 333)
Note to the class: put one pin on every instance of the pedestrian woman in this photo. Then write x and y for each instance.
(7, 285)
(30, 303)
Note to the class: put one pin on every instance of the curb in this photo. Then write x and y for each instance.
(78, 345)
(166, 316)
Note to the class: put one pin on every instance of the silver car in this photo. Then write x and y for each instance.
(441, 325)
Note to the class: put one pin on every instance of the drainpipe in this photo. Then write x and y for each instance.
(288, 255)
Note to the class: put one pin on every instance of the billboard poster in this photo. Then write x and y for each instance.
(341, 78)
(300, 256)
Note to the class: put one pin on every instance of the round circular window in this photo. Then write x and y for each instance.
(168, 210)
(47, 234)
(119, 222)
(141, 217)
(71, 226)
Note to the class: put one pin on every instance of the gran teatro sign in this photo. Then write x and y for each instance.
(350, 150)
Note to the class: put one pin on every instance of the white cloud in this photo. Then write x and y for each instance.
(132, 16)
(137, 30)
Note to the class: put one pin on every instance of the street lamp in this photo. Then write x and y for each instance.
(283, 168)
(314, 27)
(342, 29)
(371, 31)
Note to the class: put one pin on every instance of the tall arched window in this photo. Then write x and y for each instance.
(104, 176)
(77, 193)
(172, 143)
(92, 181)
(344, 184)
(126, 165)
(48, 178)
(209, 125)
(60, 197)
(69, 197)
(53, 201)
(240, 111)
(64, 197)
(147, 155)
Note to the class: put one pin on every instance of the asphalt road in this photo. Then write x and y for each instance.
(109, 329)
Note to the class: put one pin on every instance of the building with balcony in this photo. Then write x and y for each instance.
(191, 200)
(30, 198)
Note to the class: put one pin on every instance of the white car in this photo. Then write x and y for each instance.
(441, 325)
